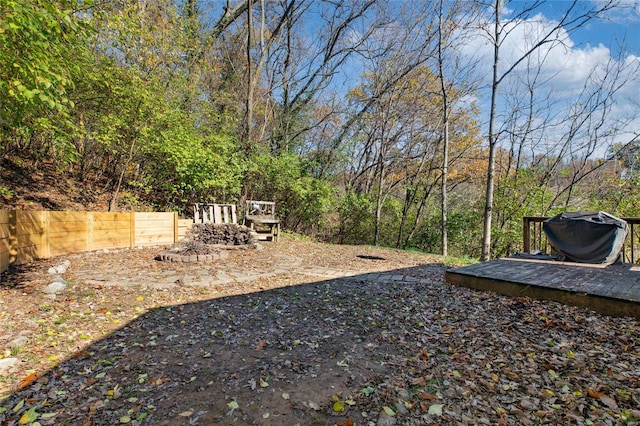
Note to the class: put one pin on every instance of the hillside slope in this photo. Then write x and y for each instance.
(29, 186)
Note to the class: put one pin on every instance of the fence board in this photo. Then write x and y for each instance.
(30, 236)
(184, 225)
(5, 240)
(154, 229)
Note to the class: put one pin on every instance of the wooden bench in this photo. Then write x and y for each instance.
(260, 216)
(216, 213)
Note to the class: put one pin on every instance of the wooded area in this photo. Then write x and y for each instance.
(366, 121)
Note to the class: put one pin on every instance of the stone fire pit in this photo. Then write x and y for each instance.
(207, 242)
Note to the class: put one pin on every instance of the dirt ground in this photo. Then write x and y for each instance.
(301, 333)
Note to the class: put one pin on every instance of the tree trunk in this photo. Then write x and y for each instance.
(486, 230)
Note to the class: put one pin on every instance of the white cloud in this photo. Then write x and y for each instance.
(563, 69)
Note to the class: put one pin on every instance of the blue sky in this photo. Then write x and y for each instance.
(569, 71)
(624, 22)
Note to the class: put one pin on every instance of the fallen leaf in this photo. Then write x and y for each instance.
(28, 380)
(29, 417)
(18, 406)
(46, 416)
(609, 402)
(389, 411)
(594, 394)
(436, 409)
(424, 395)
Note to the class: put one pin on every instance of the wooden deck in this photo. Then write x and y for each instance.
(612, 290)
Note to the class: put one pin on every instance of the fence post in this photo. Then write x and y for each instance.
(132, 229)
(90, 225)
(175, 227)
(13, 236)
(45, 220)
(526, 235)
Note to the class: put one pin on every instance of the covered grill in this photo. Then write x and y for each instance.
(586, 237)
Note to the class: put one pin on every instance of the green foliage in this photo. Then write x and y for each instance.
(188, 168)
(356, 219)
(304, 201)
(40, 43)
(390, 221)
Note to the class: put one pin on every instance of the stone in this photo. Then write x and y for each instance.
(55, 287)
(6, 363)
(18, 342)
(53, 270)
(61, 269)
(385, 420)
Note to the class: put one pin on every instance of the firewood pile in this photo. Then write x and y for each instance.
(229, 234)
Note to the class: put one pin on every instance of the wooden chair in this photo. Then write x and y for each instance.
(216, 213)
(261, 217)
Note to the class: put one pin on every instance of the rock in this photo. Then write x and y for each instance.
(6, 363)
(66, 263)
(61, 269)
(55, 287)
(53, 270)
(18, 342)
(400, 407)
(385, 420)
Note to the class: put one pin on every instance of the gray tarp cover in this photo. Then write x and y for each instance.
(586, 237)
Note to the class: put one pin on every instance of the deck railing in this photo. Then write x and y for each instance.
(533, 238)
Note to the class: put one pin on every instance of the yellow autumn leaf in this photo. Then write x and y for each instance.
(338, 406)
(29, 417)
(389, 411)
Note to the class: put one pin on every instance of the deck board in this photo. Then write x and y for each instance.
(612, 290)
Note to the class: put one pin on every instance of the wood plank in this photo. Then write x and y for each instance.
(217, 213)
(145, 216)
(4, 230)
(109, 225)
(120, 234)
(111, 217)
(614, 290)
(234, 213)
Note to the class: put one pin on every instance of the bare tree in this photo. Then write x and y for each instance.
(576, 15)
(456, 81)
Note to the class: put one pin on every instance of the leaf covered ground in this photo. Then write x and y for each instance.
(302, 333)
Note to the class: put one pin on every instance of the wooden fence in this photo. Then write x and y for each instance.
(29, 235)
